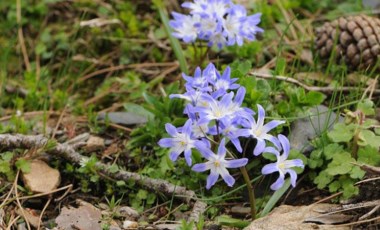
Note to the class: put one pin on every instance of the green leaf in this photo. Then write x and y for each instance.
(316, 159)
(142, 194)
(341, 164)
(232, 222)
(315, 98)
(342, 132)
(5, 167)
(113, 168)
(244, 67)
(357, 173)
(7, 156)
(23, 165)
(334, 186)
(367, 107)
(323, 179)
(331, 150)
(275, 198)
(369, 155)
(367, 137)
(138, 109)
(349, 189)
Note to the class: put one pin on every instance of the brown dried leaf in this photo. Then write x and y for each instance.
(85, 217)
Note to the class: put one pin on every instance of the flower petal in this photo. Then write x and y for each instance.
(222, 149)
(204, 150)
(227, 177)
(166, 142)
(237, 144)
(211, 179)
(174, 155)
(285, 144)
(294, 163)
(269, 168)
(278, 184)
(271, 125)
(293, 177)
(260, 115)
(201, 167)
(237, 163)
(260, 146)
(188, 157)
(171, 129)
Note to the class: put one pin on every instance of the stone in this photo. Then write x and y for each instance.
(314, 122)
(94, 143)
(41, 178)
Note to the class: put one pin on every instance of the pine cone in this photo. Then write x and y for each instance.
(354, 39)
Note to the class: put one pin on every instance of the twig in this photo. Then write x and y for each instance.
(67, 152)
(365, 216)
(18, 201)
(42, 213)
(328, 89)
(12, 222)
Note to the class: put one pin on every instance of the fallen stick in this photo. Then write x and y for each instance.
(68, 152)
(327, 89)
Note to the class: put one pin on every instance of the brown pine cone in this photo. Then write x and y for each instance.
(355, 40)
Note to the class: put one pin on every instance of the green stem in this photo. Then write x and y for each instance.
(251, 194)
(173, 41)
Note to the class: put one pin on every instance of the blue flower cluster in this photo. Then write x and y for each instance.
(214, 110)
(219, 22)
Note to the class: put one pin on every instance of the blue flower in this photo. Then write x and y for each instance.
(217, 164)
(260, 131)
(220, 22)
(283, 166)
(181, 141)
(184, 27)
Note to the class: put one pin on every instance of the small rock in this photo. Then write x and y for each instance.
(94, 143)
(129, 212)
(127, 224)
(123, 118)
(41, 178)
(317, 120)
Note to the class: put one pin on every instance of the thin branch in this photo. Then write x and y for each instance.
(67, 152)
(328, 89)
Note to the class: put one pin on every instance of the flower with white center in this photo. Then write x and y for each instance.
(217, 164)
(259, 131)
(224, 81)
(181, 141)
(184, 28)
(282, 166)
(216, 109)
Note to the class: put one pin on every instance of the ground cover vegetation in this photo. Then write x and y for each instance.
(182, 114)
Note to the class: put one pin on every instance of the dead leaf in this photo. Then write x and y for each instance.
(286, 217)
(329, 219)
(41, 178)
(307, 56)
(313, 76)
(85, 217)
(30, 215)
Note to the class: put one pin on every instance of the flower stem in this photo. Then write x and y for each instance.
(251, 194)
